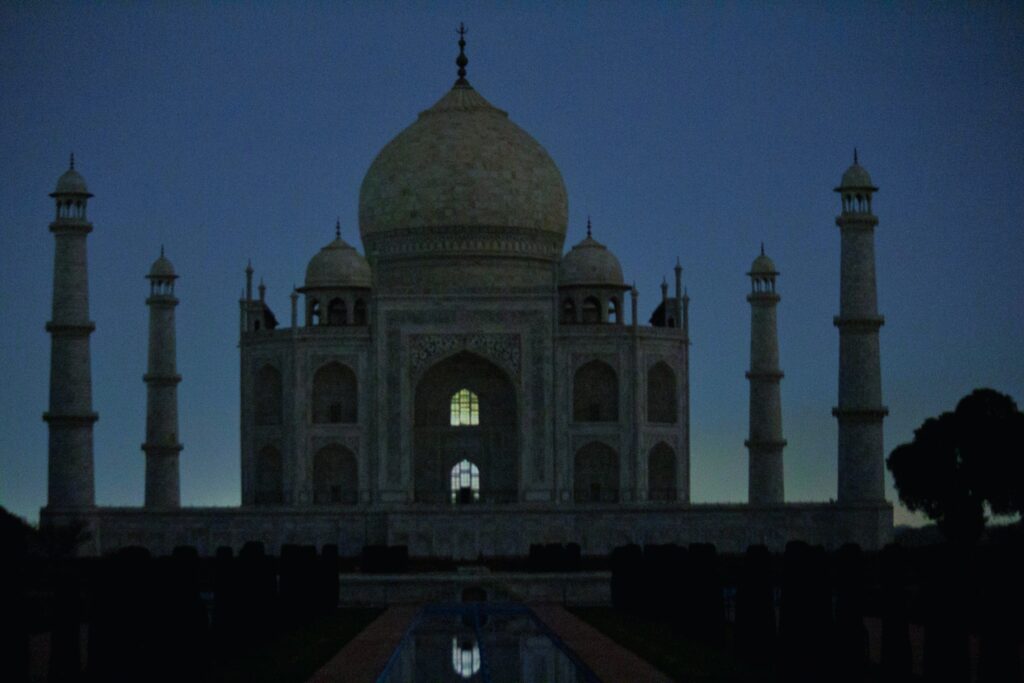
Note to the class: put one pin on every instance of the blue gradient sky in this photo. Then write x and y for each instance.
(230, 131)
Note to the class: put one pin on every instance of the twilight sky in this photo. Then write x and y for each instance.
(235, 131)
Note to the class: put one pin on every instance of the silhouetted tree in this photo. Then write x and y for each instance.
(959, 461)
(991, 440)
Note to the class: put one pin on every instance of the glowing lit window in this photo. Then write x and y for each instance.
(465, 409)
(465, 482)
(465, 656)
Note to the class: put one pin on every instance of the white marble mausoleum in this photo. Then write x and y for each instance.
(466, 385)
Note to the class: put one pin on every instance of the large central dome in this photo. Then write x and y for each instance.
(462, 165)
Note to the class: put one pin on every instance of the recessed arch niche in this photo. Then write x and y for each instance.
(492, 444)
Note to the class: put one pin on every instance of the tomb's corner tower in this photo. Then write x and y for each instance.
(162, 378)
(765, 442)
(860, 411)
(70, 417)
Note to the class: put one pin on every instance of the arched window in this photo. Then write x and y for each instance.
(337, 313)
(465, 483)
(269, 483)
(596, 474)
(595, 393)
(335, 477)
(334, 395)
(613, 310)
(268, 396)
(359, 312)
(568, 311)
(465, 409)
(661, 473)
(314, 312)
(591, 310)
(465, 656)
(661, 393)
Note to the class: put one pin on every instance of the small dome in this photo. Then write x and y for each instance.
(590, 263)
(71, 182)
(162, 268)
(856, 178)
(763, 266)
(337, 265)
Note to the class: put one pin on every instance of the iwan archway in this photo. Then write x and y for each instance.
(465, 410)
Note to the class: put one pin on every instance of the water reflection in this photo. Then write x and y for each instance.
(465, 656)
(486, 643)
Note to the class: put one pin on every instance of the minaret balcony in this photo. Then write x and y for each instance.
(866, 323)
(71, 329)
(773, 375)
(861, 414)
(765, 444)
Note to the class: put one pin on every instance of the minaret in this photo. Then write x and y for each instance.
(162, 447)
(860, 410)
(70, 417)
(765, 443)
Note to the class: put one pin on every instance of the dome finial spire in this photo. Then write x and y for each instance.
(161, 251)
(72, 161)
(461, 61)
(337, 228)
(855, 156)
(588, 226)
(762, 248)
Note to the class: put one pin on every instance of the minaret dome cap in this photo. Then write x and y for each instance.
(856, 177)
(763, 265)
(71, 183)
(162, 269)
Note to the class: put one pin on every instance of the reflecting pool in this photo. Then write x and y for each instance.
(482, 643)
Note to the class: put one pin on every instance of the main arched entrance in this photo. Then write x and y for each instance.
(465, 410)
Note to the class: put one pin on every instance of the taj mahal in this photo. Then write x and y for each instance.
(467, 386)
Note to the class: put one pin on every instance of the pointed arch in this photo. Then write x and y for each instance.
(613, 310)
(337, 312)
(465, 409)
(335, 395)
(269, 477)
(595, 475)
(335, 476)
(568, 311)
(591, 310)
(492, 444)
(595, 393)
(662, 401)
(465, 482)
(661, 473)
